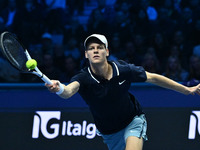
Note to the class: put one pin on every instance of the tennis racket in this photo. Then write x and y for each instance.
(17, 55)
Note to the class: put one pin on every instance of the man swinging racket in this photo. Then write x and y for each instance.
(104, 86)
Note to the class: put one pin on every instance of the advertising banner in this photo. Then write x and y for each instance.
(168, 129)
(35, 119)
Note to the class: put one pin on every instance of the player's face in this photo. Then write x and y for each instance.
(96, 53)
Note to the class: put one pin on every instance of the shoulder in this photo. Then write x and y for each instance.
(135, 73)
(81, 75)
(123, 66)
(120, 62)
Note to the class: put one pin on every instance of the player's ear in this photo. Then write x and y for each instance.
(107, 50)
(86, 56)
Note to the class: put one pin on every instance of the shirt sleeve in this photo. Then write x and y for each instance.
(78, 77)
(138, 73)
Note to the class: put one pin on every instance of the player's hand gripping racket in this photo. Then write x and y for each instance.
(17, 55)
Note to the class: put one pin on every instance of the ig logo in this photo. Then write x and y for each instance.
(40, 123)
(194, 125)
(65, 128)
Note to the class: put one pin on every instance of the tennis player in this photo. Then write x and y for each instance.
(104, 86)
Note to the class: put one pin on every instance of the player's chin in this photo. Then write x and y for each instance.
(96, 61)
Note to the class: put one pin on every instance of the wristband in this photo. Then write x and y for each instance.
(61, 89)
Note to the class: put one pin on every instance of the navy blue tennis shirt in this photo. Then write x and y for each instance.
(110, 102)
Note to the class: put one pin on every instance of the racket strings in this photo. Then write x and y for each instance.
(14, 52)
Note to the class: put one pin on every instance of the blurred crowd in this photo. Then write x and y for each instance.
(162, 36)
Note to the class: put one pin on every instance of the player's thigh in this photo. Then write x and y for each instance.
(134, 143)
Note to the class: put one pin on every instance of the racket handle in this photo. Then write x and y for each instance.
(46, 79)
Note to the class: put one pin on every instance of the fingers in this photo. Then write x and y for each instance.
(54, 87)
(196, 90)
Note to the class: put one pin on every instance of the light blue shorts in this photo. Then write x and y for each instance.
(137, 128)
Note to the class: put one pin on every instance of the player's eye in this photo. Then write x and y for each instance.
(90, 48)
(101, 47)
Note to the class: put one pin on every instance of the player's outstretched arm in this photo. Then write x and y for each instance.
(64, 91)
(170, 84)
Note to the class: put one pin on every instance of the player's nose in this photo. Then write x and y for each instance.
(96, 50)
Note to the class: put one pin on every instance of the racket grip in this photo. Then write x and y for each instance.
(46, 79)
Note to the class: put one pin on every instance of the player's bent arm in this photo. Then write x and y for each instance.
(70, 90)
(165, 82)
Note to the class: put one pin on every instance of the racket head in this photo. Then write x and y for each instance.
(14, 51)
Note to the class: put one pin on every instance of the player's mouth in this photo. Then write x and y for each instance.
(96, 56)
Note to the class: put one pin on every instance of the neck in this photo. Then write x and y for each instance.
(104, 70)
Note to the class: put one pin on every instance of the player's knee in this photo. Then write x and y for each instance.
(134, 143)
